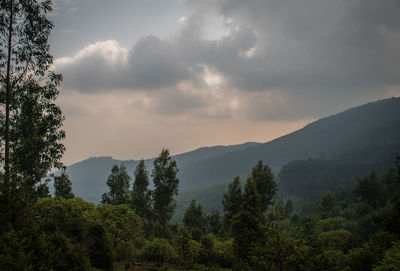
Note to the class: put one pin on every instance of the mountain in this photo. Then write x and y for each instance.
(89, 176)
(369, 125)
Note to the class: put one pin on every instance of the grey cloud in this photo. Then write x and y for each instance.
(154, 63)
(308, 50)
(318, 43)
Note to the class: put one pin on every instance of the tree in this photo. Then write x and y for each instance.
(118, 183)
(213, 222)
(391, 260)
(165, 188)
(141, 196)
(266, 186)
(328, 203)
(231, 201)
(123, 226)
(248, 226)
(193, 217)
(370, 190)
(42, 189)
(63, 186)
(30, 133)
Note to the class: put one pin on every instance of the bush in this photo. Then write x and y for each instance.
(159, 250)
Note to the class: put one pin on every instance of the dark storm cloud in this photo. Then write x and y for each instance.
(314, 43)
(322, 51)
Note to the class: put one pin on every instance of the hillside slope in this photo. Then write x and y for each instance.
(361, 127)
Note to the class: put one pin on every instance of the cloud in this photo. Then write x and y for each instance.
(270, 59)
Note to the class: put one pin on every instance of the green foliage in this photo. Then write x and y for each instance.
(140, 195)
(207, 250)
(224, 252)
(329, 259)
(58, 235)
(308, 179)
(265, 183)
(328, 204)
(123, 226)
(391, 260)
(361, 259)
(42, 189)
(342, 240)
(329, 224)
(213, 222)
(232, 202)
(280, 252)
(118, 184)
(369, 190)
(159, 250)
(14, 254)
(63, 186)
(193, 217)
(30, 121)
(100, 249)
(165, 188)
(248, 225)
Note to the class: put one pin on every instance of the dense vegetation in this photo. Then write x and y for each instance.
(349, 229)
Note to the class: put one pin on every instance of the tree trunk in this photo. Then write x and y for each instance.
(8, 101)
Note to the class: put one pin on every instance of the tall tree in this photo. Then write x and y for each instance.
(30, 132)
(248, 226)
(165, 188)
(231, 201)
(118, 184)
(63, 186)
(266, 185)
(193, 217)
(370, 190)
(141, 196)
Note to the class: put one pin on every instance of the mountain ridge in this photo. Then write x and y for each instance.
(362, 126)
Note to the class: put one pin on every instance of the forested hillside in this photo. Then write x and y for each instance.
(309, 179)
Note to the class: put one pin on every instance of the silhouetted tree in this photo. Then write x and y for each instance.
(140, 195)
(30, 132)
(193, 217)
(165, 188)
(63, 186)
(231, 201)
(266, 186)
(370, 190)
(248, 226)
(118, 183)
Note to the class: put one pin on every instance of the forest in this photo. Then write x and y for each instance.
(356, 228)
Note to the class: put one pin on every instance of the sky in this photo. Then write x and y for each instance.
(142, 75)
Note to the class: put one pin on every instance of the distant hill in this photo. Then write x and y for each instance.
(361, 127)
(89, 176)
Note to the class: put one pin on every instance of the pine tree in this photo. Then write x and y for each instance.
(63, 186)
(266, 185)
(118, 183)
(165, 188)
(193, 217)
(231, 201)
(248, 226)
(140, 195)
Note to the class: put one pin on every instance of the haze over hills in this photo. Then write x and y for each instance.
(89, 176)
(369, 125)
